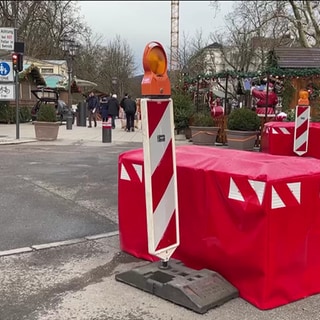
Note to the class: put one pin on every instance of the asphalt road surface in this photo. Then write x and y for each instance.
(56, 193)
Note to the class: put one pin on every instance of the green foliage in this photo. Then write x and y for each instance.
(287, 95)
(47, 113)
(183, 109)
(8, 113)
(243, 119)
(291, 115)
(203, 119)
(274, 71)
(25, 114)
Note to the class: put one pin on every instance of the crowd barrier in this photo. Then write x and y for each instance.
(278, 138)
(252, 217)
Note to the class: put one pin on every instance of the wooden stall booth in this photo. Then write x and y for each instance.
(299, 68)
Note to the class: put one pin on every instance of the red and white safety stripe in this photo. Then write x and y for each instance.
(160, 177)
(282, 194)
(301, 130)
(278, 130)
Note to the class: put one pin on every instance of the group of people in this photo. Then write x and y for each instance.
(109, 106)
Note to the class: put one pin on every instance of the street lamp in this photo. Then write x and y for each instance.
(114, 82)
(69, 47)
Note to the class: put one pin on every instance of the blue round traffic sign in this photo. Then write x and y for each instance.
(4, 68)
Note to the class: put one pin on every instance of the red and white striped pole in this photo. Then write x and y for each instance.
(160, 177)
(301, 128)
(159, 155)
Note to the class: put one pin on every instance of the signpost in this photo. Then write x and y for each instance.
(7, 92)
(9, 70)
(7, 38)
(301, 128)
(6, 71)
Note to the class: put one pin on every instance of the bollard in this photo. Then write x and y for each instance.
(106, 130)
(69, 120)
(82, 114)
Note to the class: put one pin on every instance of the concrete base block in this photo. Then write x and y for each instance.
(196, 290)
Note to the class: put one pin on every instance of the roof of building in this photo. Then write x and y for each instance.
(59, 62)
(214, 45)
(295, 58)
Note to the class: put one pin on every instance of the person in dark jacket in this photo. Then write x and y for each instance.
(113, 109)
(93, 107)
(130, 107)
(104, 108)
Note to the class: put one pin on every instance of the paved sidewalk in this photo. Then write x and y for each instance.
(8, 134)
(77, 135)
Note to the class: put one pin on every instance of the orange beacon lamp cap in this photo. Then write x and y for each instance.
(155, 81)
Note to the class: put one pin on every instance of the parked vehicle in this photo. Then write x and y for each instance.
(50, 96)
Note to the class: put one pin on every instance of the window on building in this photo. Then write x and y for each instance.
(46, 70)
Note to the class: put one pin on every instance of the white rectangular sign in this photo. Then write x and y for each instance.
(7, 91)
(7, 39)
(6, 71)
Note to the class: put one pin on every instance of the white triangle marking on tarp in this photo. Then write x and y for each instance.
(138, 168)
(284, 130)
(234, 192)
(124, 174)
(276, 201)
(295, 188)
(259, 188)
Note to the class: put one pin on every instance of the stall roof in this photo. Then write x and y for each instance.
(295, 58)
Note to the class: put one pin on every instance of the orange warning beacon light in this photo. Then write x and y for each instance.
(155, 81)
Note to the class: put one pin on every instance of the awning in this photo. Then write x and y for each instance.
(83, 83)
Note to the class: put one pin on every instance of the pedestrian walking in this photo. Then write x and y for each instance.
(104, 108)
(93, 107)
(130, 107)
(113, 109)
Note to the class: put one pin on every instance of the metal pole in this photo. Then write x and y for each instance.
(106, 131)
(69, 115)
(17, 105)
(226, 94)
(16, 79)
(69, 88)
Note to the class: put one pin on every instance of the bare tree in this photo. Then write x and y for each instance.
(42, 24)
(100, 63)
(252, 31)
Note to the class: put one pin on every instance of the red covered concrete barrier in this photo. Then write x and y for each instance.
(277, 139)
(252, 217)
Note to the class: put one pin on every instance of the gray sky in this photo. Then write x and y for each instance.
(139, 22)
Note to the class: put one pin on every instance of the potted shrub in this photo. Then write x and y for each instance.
(242, 129)
(204, 130)
(46, 127)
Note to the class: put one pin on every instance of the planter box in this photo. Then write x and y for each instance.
(46, 131)
(206, 136)
(241, 140)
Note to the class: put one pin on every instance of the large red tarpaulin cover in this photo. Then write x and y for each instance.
(252, 217)
(277, 139)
